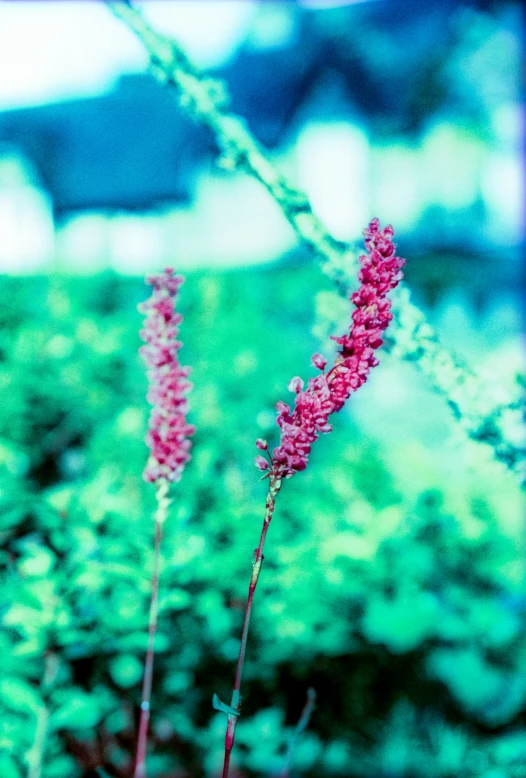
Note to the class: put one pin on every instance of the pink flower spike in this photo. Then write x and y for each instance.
(261, 463)
(168, 431)
(327, 393)
(295, 384)
(319, 361)
(262, 444)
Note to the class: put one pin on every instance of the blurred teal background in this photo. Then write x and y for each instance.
(394, 577)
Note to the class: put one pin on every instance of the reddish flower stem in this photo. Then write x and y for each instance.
(257, 561)
(142, 738)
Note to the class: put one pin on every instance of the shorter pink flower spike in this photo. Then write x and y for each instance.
(327, 393)
(261, 463)
(168, 434)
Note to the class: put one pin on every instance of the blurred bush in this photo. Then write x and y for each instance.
(399, 595)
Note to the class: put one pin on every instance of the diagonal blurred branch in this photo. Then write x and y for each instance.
(498, 425)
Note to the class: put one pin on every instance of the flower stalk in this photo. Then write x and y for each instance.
(169, 444)
(325, 394)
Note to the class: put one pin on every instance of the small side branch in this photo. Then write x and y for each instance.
(301, 726)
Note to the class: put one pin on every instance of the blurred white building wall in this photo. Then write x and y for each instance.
(26, 218)
(232, 221)
(333, 167)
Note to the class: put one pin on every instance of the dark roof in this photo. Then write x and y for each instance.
(128, 149)
(133, 148)
(388, 59)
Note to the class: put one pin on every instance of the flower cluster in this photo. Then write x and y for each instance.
(168, 430)
(327, 393)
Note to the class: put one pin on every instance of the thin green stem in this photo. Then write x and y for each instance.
(301, 726)
(142, 738)
(257, 561)
(35, 756)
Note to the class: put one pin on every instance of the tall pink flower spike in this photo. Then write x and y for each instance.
(168, 432)
(325, 394)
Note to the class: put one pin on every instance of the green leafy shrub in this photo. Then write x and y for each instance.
(394, 574)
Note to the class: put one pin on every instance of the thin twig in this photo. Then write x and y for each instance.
(36, 754)
(257, 561)
(142, 738)
(206, 101)
(301, 726)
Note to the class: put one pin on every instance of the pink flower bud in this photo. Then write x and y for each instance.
(261, 444)
(319, 361)
(261, 463)
(295, 384)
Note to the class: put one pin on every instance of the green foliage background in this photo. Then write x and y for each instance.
(394, 591)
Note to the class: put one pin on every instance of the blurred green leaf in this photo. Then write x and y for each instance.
(19, 696)
(8, 768)
(126, 670)
(74, 709)
(175, 599)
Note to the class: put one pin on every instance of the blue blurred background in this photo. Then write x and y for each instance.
(411, 112)
(407, 538)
